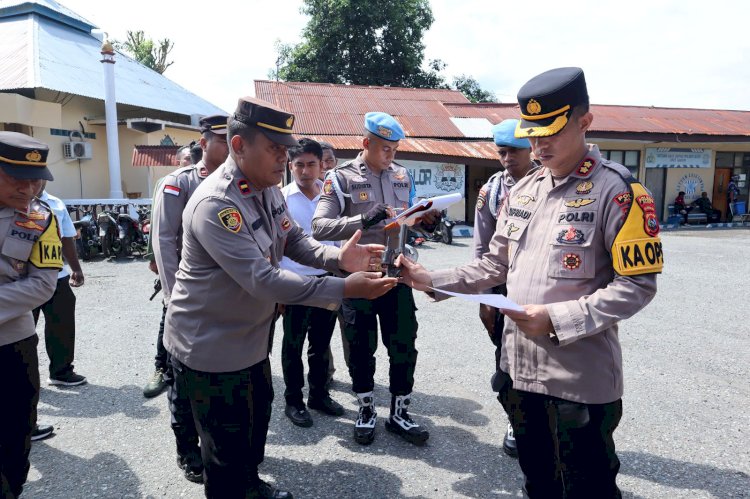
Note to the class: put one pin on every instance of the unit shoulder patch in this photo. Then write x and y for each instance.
(637, 249)
(231, 219)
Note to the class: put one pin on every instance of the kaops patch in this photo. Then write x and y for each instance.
(571, 261)
(47, 250)
(328, 187)
(231, 219)
(577, 203)
(637, 248)
(172, 189)
(585, 167)
(31, 225)
(584, 187)
(525, 199)
(481, 199)
(571, 236)
(244, 186)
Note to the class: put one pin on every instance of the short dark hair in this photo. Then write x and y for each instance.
(579, 110)
(236, 127)
(185, 148)
(196, 152)
(305, 146)
(327, 146)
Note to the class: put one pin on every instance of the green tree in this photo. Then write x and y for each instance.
(360, 42)
(144, 50)
(470, 87)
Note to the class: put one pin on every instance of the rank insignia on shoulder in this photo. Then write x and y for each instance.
(525, 199)
(571, 261)
(584, 187)
(328, 187)
(172, 189)
(585, 167)
(203, 172)
(244, 186)
(571, 236)
(286, 224)
(577, 203)
(231, 219)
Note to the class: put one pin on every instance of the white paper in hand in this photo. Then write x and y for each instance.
(498, 301)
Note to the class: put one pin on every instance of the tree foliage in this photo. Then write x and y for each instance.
(364, 43)
(144, 50)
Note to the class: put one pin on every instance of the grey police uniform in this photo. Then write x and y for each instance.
(349, 191)
(221, 311)
(30, 259)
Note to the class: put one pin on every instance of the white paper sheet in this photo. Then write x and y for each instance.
(498, 301)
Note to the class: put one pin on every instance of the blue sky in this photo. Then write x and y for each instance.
(661, 53)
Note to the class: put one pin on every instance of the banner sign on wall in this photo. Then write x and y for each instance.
(675, 157)
(436, 179)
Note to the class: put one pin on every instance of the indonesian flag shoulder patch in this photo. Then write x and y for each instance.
(172, 189)
(231, 219)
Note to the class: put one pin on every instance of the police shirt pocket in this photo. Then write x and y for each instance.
(262, 238)
(360, 196)
(513, 230)
(571, 254)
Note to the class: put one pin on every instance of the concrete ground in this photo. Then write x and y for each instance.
(684, 433)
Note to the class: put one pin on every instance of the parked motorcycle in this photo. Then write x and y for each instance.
(88, 243)
(444, 231)
(108, 232)
(130, 236)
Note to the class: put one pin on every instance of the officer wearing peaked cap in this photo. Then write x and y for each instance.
(578, 245)
(30, 258)
(515, 158)
(169, 201)
(361, 194)
(236, 229)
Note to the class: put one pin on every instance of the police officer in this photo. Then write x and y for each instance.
(515, 157)
(361, 194)
(169, 202)
(578, 243)
(30, 258)
(236, 230)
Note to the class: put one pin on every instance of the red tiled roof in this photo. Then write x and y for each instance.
(457, 149)
(330, 109)
(154, 155)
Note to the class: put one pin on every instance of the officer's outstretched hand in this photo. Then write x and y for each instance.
(413, 274)
(369, 285)
(360, 257)
(376, 214)
(534, 321)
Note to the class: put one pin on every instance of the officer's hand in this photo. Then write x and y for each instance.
(534, 321)
(413, 274)
(360, 257)
(376, 214)
(487, 315)
(76, 279)
(153, 267)
(369, 285)
(431, 218)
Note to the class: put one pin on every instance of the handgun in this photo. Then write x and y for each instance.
(157, 288)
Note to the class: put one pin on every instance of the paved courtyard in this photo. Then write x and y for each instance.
(685, 431)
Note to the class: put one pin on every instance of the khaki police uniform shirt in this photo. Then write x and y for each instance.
(30, 258)
(228, 283)
(360, 189)
(553, 243)
(166, 230)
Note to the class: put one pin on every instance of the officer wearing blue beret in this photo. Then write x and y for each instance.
(30, 260)
(361, 194)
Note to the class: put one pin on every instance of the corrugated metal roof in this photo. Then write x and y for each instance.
(327, 108)
(39, 52)
(457, 149)
(154, 155)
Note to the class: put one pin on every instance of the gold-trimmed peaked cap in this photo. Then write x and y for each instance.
(274, 122)
(547, 100)
(216, 123)
(23, 157)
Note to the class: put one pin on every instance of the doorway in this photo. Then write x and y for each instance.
(719, 199)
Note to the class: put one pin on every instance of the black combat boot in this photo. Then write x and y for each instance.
(364, 428)
(402, 424)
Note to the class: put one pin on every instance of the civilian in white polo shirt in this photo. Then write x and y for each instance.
(300, 321)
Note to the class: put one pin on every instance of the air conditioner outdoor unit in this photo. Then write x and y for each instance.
(77, 150)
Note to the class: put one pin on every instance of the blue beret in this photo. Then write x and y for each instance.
(504, 135)
(384, 126)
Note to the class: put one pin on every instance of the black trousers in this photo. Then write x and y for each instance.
(398, 327)
(19, 367)
(565, 449)
(160, 361)
(231, 411)
(59, 328)
(181, 417)
(317, 324)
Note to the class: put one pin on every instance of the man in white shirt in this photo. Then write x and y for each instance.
(302, 321)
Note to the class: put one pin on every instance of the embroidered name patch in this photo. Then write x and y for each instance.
(231, 219)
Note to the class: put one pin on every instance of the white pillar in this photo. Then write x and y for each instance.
(110, 110)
